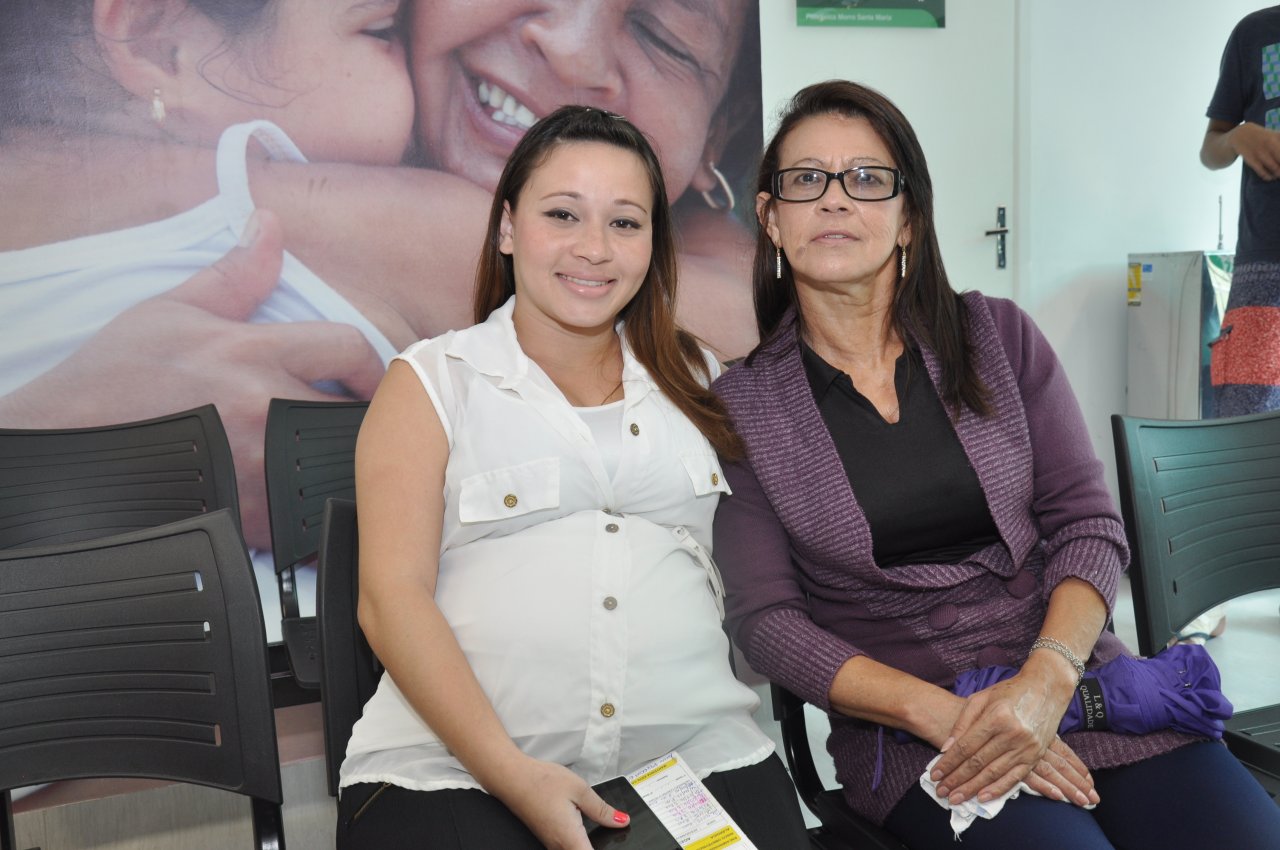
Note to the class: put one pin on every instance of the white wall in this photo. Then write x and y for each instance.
(1111, 101)
(1108, 117)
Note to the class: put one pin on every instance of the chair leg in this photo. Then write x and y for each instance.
(8, 841)
(287, 581)
(268, 825)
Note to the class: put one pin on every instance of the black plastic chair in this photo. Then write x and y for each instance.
(842, 828)
(140, 654)
(349, 671)
(309, 457)
(61, 485)
(1201, 502)
(66, 484)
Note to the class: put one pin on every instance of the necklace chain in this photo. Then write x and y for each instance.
(616, 387)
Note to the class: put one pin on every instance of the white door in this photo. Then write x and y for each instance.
(955, 85)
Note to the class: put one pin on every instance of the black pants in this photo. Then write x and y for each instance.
(760, 798)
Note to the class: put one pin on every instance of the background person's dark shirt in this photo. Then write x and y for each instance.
(1249, 90)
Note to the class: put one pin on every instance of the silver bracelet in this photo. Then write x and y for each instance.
(1061, 649)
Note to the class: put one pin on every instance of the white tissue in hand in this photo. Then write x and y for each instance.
(965, 813)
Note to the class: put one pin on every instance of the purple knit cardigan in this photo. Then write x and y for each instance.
(804, 594)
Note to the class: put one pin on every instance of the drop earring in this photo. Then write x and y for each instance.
(902, 266)
(157, 108)
(778, 256)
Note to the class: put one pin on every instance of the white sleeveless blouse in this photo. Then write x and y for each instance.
(582, 600)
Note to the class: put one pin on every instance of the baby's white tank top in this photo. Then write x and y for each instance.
(55, 297)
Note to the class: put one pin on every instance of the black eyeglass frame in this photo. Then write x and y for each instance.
(838, 176)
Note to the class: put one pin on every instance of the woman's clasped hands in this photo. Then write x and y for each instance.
(1007, 734)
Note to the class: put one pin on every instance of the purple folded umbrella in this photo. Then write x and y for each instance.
(1178, 688)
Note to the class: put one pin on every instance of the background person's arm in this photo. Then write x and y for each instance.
(1259, 147)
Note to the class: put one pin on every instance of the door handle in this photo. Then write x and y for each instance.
(1000, 232)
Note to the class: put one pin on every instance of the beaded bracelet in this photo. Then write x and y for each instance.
(1061, 649)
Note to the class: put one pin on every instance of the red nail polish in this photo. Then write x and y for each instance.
(622, 818)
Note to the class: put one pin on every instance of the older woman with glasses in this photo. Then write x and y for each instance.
(919, 501)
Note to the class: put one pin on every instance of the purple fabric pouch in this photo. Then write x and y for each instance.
(1178, 688)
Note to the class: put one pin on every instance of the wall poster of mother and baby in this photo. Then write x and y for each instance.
(139, 137)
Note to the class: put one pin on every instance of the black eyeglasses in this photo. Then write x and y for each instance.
(861, 183)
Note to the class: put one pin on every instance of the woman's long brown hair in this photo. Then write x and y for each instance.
(671, 356)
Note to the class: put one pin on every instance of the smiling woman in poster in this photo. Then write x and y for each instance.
(686, 73)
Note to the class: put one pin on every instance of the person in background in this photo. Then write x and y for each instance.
(1244, 123)
(536, 495)
(919, 498)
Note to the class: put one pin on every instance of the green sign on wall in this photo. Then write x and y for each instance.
(928, 14)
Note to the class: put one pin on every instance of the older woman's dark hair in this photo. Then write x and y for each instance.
(670, 355)
(925, 307)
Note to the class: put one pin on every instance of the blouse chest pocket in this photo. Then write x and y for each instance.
(704, 473)
(510, 491)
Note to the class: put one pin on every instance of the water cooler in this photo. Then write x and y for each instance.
(1175, 306)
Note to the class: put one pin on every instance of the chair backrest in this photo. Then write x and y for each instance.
(141, 654)
(349, 670)
(69, 484)
(1201, 504)
(309, 457)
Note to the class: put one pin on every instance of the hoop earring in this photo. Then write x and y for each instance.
(729, 199)
(157, 108)
(902, 266)
(778, 256)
